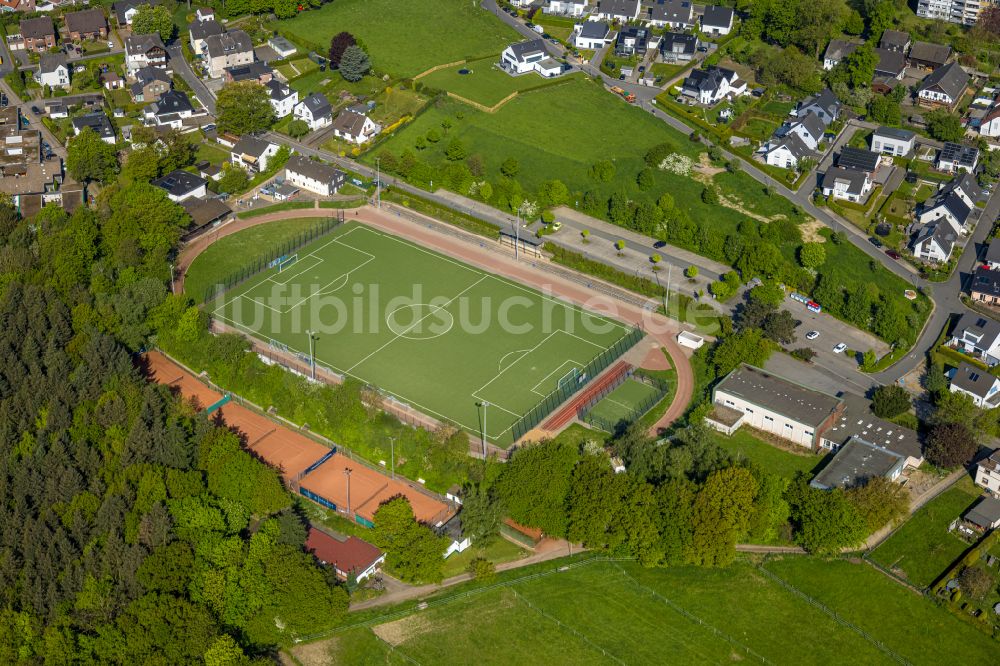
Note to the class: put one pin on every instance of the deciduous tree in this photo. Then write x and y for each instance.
(950, 445)
(339, 44)
(88, 158)
(244, 107)
(149, 19)
(890, 401)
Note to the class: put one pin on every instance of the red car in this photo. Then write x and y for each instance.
(893, 254)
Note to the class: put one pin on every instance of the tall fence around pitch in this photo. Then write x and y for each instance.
(274, 254)
(634, 414)
(547, 405)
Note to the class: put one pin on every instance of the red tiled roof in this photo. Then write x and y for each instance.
(351, 556)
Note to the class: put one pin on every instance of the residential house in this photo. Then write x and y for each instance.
(591, 35)
(805, 416)
(180, 185)
(710, 85)
(928, 55)
(963, 12)
(946, 207)
(990, 123)
(169, 111)
(836, 50)
(848, 184)
(889, 70)
(314, 176)
(856, 463)
(895, 40)
(786, 152)
(858, 159)
(199, 32)
(227, 50)
(205, 14)
(251, 153)
(632, 40)
(979, 336)
(254, 71)
(149, 85)
(824, 104)
(966, 187)
(144, 51)
(988, 473)
(56, 110)
(955, 156)
(53, 71)
(31, 179)
(985, 287)
(281, 46)
(529, 56)
(978, 384)
(125, 10)
(350, 558)
(622, 11)
(677, 14)
(574, 8)
(717, 20)
(893, 141)
(809, 129)
(992, 258)
(944, 86)
(23, 6)
(934, 242)
(315, 110)
(38, 34)
(89, 24)
(353, 125)
(283, 98)
(678, 47)
(111, 80)
(97, 121)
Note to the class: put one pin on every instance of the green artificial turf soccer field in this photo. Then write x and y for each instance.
(430, 331)
(623, 403)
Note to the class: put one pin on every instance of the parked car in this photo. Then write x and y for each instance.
(621, 77)
(35, 110)
(642, 69)
(893, 254)
(839, 349)
(111, 44)
(874, 241)
(209, 127)
(812, 335)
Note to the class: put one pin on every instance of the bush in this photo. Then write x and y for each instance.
(890, 401)
(482, 569)
(548, 217)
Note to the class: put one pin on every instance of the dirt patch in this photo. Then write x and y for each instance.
(319, 653)
(737, 205)
(810, 231)
(398, 632)
(704, 170)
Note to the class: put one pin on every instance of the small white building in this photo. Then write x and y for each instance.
(574, 8)
(713, 84)
(252, 154)
(169, 111)
(893, 141)
(977, 335)
(988, 473)
(529, 56)
(354, 125)
(955, 156)
(978, 384)
(199, 32)
(282, 46)
(622, 11)
(786, 152)
(53, 71)
(809, 129)
(314, 176)
(990, 124)
(847, 184)
(180, 185)
(717, 20)
(934, 243)
(591, 35)
(97, 121)
(315, 110)
(283, 98)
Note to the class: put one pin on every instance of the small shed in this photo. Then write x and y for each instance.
(349, 557)
(985, 514)
(690, 340)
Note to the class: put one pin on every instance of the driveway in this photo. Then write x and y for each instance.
(182, 67)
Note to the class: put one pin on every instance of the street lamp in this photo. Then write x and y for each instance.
(347, 473)
(378, 183)
(312, 356)
(484, 404)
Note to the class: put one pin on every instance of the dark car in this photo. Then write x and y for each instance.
(893, 254)
(659, 244)
(35, 110)
(621, 77)
(874, 241)
(642, 68)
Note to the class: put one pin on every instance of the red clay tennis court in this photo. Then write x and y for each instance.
(162, 370)
(368, 490)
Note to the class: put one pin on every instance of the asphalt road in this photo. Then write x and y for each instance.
(181, 66)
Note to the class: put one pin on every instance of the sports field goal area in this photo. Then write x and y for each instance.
(451, 340)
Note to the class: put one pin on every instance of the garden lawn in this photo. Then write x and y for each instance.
(907, 623)
(743, 445)
(553, 134)
(485, 83)
(231, 253)
(758, 128)
(405, 38)
(497, 550)
(923, 548)
(600, 613)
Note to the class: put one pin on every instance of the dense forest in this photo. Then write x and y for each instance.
(133, 530)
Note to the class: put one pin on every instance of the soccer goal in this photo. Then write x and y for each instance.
(570, 378)
(287, 261)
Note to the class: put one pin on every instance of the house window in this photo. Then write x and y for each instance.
(768, 418)
(749, 411)
(788, 426)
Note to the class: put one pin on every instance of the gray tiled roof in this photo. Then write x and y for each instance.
(172, 101)
(940, 233)
(88, 20)
(37, 28)
(673, 11)
(895, 133)
(594, 30)
(618, 7)
(889, 62)
(97, 121)
(278, 90)
(858, 420)
(858, 158)
(950, 79)
(966, 183)
(717, 17)
(251, 145)
(855, 179)
(319, 171)
(522, 50)
(179, 183)
(932, 53)
(838, 48)
(776, 394)
(317, 104)
(48, 62)
(143, 43)
(234, 41)
(972, 379)
(204, 29)
(985, 513)
(795, 145)
(894, 39)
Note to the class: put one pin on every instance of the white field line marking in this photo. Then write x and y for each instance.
(414, 324)
(505, 281)
(292, 274)
(516, 351)
(540, 343)
(534, 388)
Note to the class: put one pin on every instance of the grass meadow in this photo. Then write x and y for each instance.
(405, 38)
(744, 445)
(485, 82)
(618, 612)
(923, 548)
